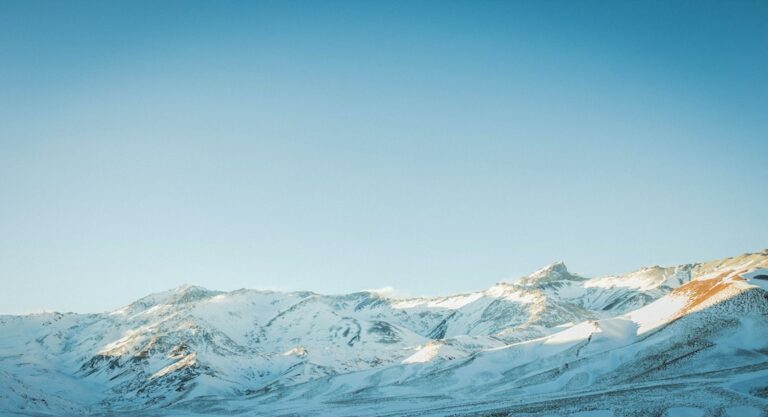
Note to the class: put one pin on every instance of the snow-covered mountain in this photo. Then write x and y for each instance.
(685, 339)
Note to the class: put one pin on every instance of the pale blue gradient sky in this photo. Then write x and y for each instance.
(435, 147)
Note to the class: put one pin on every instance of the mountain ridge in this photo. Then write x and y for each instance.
(175, 351)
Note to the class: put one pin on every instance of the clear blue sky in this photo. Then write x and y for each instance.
(434, 147)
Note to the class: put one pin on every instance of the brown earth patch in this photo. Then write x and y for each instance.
(700, 291)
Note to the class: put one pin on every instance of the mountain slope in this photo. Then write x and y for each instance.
(547, 336)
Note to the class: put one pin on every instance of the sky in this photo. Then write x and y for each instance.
(434, 147)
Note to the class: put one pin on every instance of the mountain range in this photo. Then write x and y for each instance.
(686, 340)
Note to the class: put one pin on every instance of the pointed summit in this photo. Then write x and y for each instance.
(554, 272)
(553, 268)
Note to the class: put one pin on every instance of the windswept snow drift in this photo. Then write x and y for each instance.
(658, 341)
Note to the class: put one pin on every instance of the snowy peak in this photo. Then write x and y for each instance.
(553, 268)
(552, 273)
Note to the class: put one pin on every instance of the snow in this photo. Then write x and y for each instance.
(657, 313)
(184, 362)
(580, 331)
(743, 411)
(643, 280)
(506, 292)
(593, 413)
(684, 412)
(553, 340)
(751, 277)
(424, 354)
(297, 351)
(450, 303)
